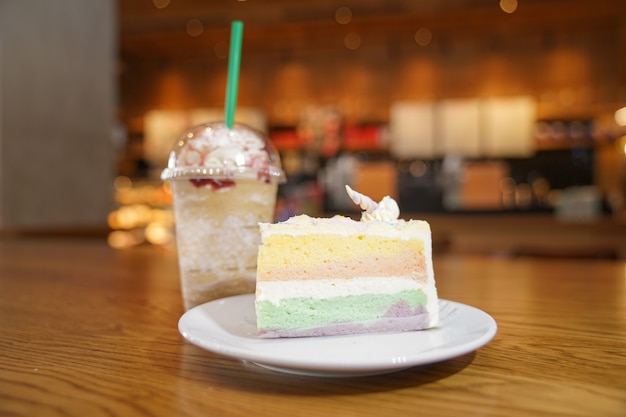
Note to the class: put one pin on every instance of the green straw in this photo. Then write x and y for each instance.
(232, 83)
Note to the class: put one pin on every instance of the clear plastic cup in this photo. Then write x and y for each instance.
(224, 182)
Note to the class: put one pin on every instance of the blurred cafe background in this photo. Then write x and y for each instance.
(503, 123)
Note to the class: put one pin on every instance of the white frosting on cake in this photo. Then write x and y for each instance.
(345, 226)
(386, 210)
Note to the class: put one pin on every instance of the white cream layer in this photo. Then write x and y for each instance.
(274, 291)
(345, 226)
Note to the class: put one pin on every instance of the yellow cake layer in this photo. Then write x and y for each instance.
(315, 249)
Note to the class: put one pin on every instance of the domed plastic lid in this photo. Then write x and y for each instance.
(212, 150)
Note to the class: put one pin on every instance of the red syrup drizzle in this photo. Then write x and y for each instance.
(215, 185)
(264, 176)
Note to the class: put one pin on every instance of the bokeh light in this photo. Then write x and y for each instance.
(508, 6)
(195, 27)
(620, 116)
(352, 41)
(161, 4)
(343, 15)
(423, 36)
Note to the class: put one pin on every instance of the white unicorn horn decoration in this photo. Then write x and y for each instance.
(367, 204)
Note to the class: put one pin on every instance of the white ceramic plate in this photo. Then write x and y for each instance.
(228, 327)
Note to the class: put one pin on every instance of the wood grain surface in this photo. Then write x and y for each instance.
(89, 331)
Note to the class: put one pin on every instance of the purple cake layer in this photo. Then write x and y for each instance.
(393, 322)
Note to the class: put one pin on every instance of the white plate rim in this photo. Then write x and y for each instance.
(212, 326)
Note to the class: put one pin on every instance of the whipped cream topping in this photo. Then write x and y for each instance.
(213, 151)
(386, 210)
(218, 146)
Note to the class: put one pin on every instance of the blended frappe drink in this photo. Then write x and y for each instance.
(224, 183)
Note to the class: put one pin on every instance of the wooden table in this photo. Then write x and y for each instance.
(90, 331)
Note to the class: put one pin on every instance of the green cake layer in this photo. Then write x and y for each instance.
(294, 313)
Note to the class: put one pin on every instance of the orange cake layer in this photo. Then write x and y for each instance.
(404, 263)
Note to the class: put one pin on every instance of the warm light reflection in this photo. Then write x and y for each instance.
(620, 116)
(567, 97)
(343, 15)
(195, 27)
(124, 239)
(144, 214)
(423, 36)
(122, 183)
(220, 49)
(161, 4)
(418, 168)
(523, 196)
(554, 197)
(167, 189)
(352, 41)
(158, 234)
(138, 215)
(507, 188)
(508, 6)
